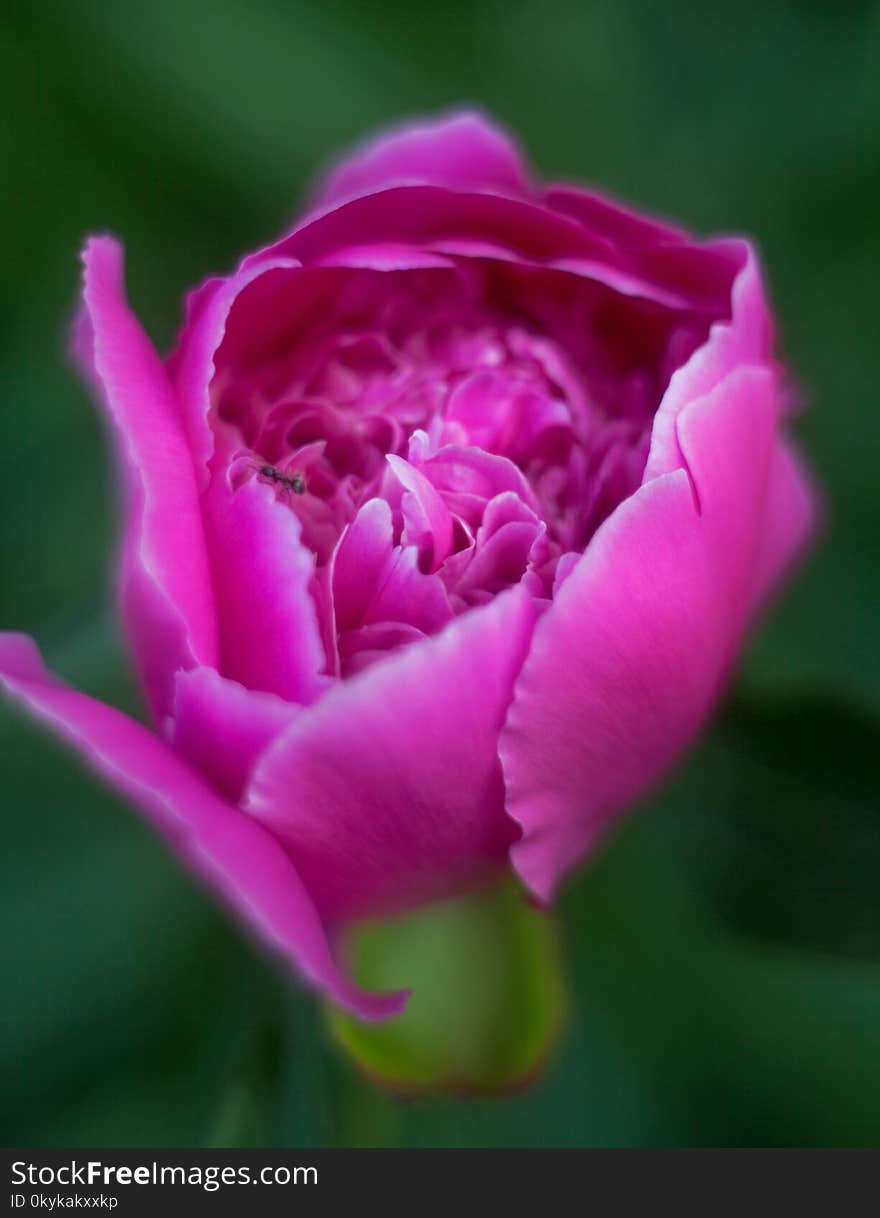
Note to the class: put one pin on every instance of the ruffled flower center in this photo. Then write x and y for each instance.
(433, 459)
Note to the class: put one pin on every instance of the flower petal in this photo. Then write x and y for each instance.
(237, 857)
(374, 581)
(166, 591)
(747, 338)
(433, 218)
(630, 658)
(388, 792)
(269, 635)
(221, 728)
(191, 366)
(462, 150)
(792, 516)
(618, 223)
(428, 523)
(262, 571)
(425, 223)
(647, 250)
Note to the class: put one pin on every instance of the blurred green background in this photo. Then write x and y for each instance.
(725, 949)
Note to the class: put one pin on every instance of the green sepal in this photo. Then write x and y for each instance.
(488, 997)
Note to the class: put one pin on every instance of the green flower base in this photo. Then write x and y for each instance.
(488, 995)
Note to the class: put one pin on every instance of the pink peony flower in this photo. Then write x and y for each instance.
(444, 523)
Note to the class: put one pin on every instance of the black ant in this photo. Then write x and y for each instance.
(288, 482)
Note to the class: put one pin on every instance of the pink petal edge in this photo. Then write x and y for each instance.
(463, 149)
(262, 573)
(221, 728)
(632, 655)
(233, 854)
(388, 792)
(167, 603)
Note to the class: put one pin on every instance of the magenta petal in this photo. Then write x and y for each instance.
(617, 223)
(431, 218)
(376, 582)
(428, 521)
(166, 590)
(747, 338)
(630, 658)
(389, 792)
(424, 223)
(360, 562)
(192, 364)
(792, 515)
(221, 728)
(269, 636)
(462, 150)
(650, 251)
(237, 857)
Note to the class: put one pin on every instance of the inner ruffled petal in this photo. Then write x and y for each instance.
(436, 443)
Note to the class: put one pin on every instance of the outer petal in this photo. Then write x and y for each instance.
(463, 150)
(192, 364)
(698, 271)
(746, 338)
(435, 219)
(426, 224)
(617, 222)
(389, 792)
(222, 728)
(630, 658)
(791, 518)
(269, 637)
(166, 591)
(236, 856)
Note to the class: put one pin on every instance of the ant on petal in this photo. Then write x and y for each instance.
(289, 482)
(244, 466)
